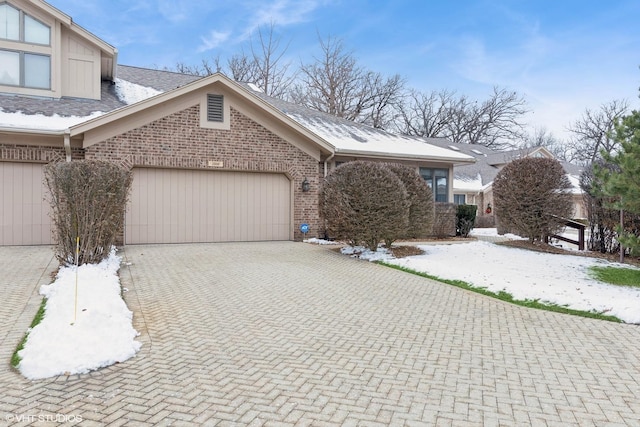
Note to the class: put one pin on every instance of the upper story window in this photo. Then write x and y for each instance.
(18, 26)
(25, 69)
(21, 63)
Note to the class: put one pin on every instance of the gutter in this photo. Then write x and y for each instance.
(377, 154)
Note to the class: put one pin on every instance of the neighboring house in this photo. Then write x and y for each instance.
(213, 160)
(473, 183)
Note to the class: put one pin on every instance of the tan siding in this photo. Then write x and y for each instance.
(24, 213)
(180, 206)
(81, 68)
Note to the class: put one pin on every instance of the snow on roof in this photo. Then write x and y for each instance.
(130, 93)
(466, 183)
(19, 120)
(127, 92)
(351, 138)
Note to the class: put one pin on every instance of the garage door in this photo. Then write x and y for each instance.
(183, 206)
(24, 213)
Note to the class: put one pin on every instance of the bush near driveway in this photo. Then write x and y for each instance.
(364, 203)
(88, 201)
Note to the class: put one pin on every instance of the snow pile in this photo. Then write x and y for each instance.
(316, 241)
(130, 93)
(42, 122)
(527, 275)
(101, 335)
(493, 232)
(382, 254)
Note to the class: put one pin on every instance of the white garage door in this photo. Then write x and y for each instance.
(183, 206)
(24, 213)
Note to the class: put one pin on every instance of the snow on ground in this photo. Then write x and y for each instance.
(493, 232)
(130, 93)
(527, 275)
(317, 241)
(101, 335)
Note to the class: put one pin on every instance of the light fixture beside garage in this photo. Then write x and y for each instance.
(305, 185)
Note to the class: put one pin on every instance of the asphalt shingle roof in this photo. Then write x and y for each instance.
(66, 106)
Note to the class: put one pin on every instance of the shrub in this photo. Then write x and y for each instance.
(444, 223)
(531, 197)
(364, 202)
(88, 200)
(420, 199)
(465, 219)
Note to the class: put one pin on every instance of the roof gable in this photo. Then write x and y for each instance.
(143, 112)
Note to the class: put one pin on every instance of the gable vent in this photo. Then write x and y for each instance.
(215, 108)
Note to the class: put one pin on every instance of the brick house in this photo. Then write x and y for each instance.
(213, 160)
(473, 183)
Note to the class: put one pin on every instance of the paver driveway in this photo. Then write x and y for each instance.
(294, 334)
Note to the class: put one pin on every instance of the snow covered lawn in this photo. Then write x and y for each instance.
(526, 275)
(101, 335)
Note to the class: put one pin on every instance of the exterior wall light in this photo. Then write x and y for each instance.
(305, 185)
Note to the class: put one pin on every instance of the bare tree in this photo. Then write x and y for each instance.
(205, 68)
(264, 66)
(594, 131)
(495, 122)
(386, 96)
(271, 73)
(334, 83)
(425, 114)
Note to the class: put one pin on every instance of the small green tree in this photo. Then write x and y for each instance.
(465, 219)
(531, 197)
(621, 180)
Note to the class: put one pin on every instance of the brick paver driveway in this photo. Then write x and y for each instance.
(294, 334)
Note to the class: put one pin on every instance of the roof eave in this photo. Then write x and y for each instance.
(400, 156)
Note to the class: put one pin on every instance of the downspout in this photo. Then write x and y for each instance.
(327, 161)
(67, 144)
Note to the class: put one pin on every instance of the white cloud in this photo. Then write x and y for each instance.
(213, 40)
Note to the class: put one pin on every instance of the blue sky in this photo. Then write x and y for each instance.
(562, 55)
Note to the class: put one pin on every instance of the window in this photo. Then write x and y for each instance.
(17, 25)
(9, 22)
(438, 181)
(9, 68)
(37, 69)
(459, 199)
(215, 110)
(18, 67)
(25, 69)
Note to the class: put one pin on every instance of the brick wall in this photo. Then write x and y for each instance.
(177, 141)
(26, 153)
